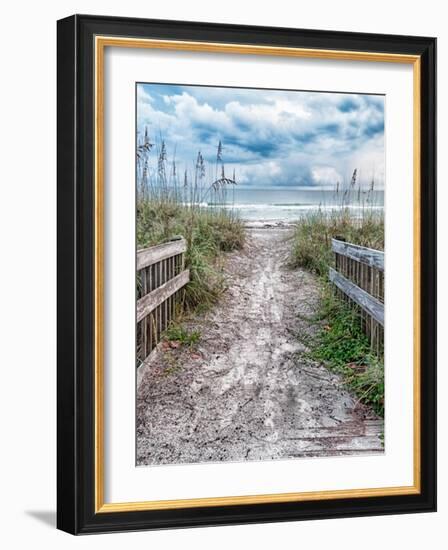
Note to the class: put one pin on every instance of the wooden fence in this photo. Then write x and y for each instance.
(359, 278)
(161, 275)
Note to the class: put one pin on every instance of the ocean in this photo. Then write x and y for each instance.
(276, 204)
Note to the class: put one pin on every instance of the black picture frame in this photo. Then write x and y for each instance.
(76, 271)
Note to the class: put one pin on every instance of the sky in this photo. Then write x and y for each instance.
(269, 137)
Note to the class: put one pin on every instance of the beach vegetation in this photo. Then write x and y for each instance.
(353, 217)
(176, 333)
(191, 206)
(340, 342)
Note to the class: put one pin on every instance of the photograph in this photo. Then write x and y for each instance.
(259, 273)
(246, 323)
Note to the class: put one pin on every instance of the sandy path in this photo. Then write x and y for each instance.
(248, 393)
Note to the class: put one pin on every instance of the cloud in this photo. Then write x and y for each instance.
(325, 175)
(269, 137)
(143, 95)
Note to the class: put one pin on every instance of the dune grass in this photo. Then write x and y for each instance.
(208, 233)
(313, 234)
(340, 342)
(172, 204)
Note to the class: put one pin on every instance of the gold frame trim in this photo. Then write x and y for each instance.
(101, 42)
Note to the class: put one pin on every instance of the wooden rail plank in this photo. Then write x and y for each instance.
(151, 301)
(155, 254)
(368, 256)
(367, 302)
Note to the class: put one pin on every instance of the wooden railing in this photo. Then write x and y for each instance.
(359, 279)
(161, 275)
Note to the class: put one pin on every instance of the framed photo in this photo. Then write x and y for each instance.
(246, 274)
